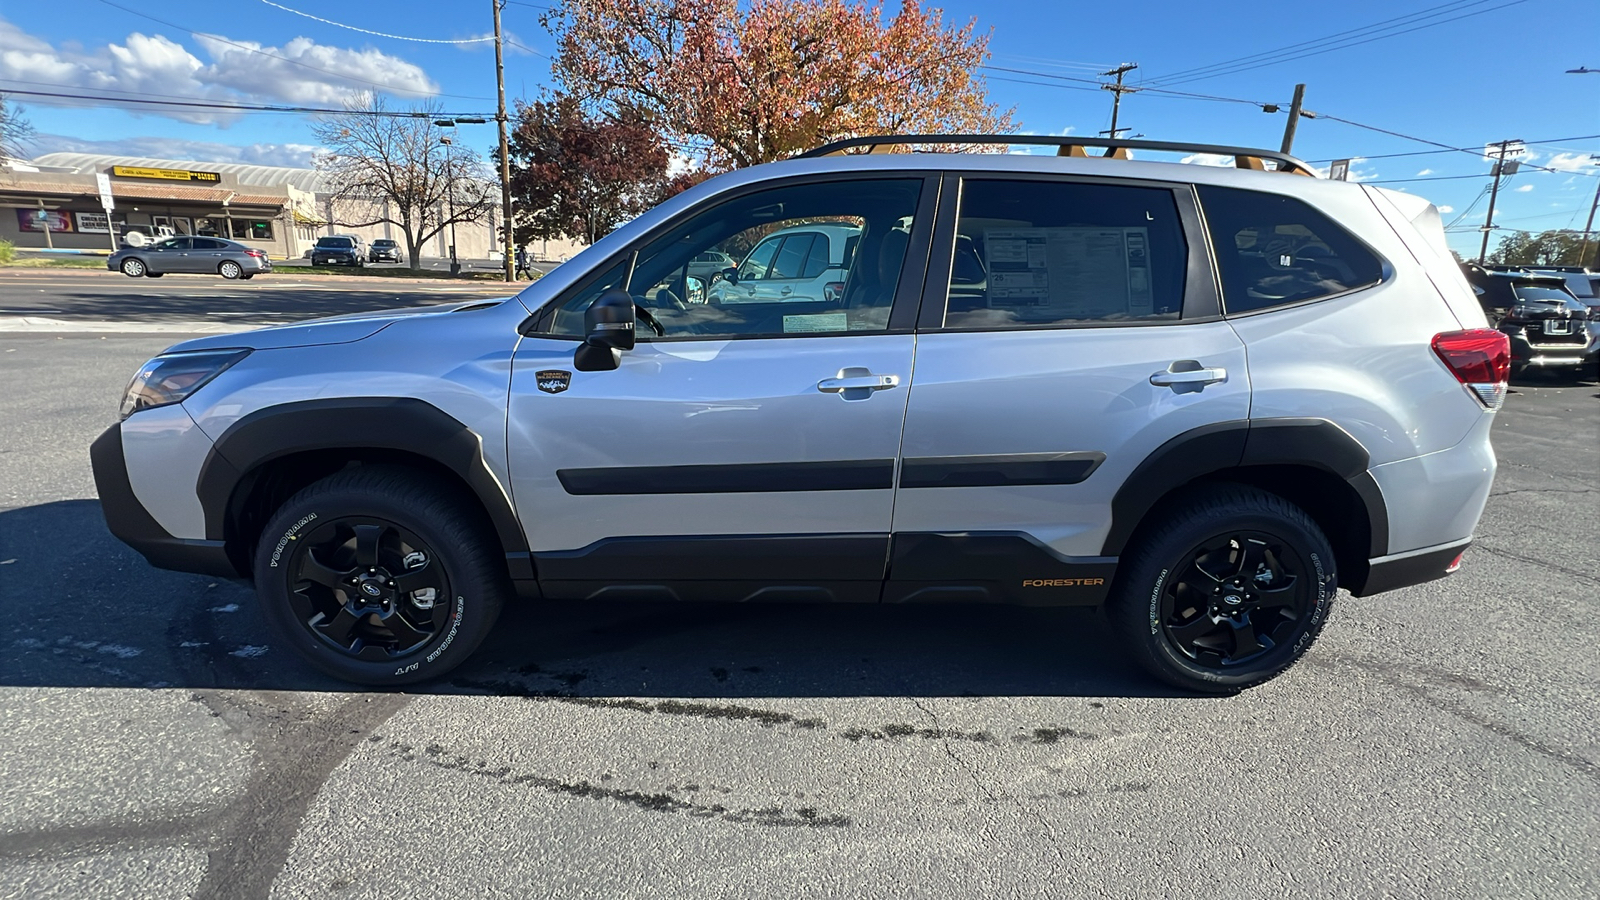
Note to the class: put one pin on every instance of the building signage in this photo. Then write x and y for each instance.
(92, 223)
(166, 174)
(37, 219)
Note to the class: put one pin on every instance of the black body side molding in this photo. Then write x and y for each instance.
(1244, 443)
(1001, 470)
(992, 567)
(746, 478)
(401, 424)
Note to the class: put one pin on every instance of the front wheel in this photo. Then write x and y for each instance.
(1226, 592)
(230, 270)
(379, 576)
(134, 267)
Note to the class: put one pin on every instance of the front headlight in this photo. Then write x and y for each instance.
(169, 379)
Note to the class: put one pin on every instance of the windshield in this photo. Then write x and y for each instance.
(335, 243)
(383, 243)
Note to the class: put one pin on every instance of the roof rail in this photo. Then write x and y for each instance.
(1116, 148)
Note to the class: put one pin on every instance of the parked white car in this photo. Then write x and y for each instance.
(803, 264)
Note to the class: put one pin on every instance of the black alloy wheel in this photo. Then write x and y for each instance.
(368, 588)
(381, 575)
(1226, 588)
(1234, 598)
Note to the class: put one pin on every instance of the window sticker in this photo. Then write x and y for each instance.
(1070, 272)
(817, 323)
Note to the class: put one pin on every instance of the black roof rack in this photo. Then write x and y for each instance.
(1116, 148)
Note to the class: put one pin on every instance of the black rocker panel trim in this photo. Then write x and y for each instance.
(761, 568)
(357, 423)
(1317, 443)
(992, 567)
(999, 470)
(132, 524)
(737, 478)
(1404, 572)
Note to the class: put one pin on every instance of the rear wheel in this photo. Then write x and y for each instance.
(1227, 592)
(230, 270)
(134, 267)
(379, 576)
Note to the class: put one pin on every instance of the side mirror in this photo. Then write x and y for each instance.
(730, 275)
(695, 287)
(608, 327)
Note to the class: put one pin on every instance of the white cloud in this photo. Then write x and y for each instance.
(1424, 172)
(1208, 159)
(1569, 162)
(1524, 188)
(1446, 209)
(156, 65)
(293, 155)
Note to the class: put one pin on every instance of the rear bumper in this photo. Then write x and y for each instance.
(1388, 573)
(132, 524)
(1532, 353)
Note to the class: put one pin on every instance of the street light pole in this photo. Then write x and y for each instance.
(505, 155)
(450, 199)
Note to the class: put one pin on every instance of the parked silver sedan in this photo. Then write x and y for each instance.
(192, 255)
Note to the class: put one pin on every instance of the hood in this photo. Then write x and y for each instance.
(333, 329)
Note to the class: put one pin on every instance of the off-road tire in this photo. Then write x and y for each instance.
(457, 536)
(1163, 553)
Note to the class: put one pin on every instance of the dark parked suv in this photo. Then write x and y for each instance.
(336, 251)
(1547, 325)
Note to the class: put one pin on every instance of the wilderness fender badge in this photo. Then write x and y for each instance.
(553, 381)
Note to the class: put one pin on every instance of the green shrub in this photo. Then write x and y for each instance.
(8, 252)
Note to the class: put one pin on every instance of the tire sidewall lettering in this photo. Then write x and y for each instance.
(449, 638)
(291, 534)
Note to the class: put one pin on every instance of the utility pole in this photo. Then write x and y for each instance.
(1118, 90)
(1488, 222)
(1294, 117)
(505, 154)
(1589, 225)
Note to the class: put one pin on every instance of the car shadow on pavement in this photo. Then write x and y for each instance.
(87, 611)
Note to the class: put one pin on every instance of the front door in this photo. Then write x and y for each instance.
(741, 451)
(1071, 329)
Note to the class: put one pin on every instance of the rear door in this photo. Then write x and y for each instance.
(1069, 328)
(746, 451)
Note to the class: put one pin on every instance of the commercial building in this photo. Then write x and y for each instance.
(54, 201)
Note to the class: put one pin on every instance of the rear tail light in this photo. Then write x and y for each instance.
(1455, 564)
(258, 254)
(833, 291)
(1480, 359)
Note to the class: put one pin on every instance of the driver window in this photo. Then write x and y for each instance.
(796, 274)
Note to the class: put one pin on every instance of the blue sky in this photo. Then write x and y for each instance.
(1464, 73)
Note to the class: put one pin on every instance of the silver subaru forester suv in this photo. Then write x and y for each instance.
(1202, 398)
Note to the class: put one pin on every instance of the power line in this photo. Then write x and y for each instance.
(1581, 137)
(257, 50)
(246, 107)
(397, 37)
(1340, 41)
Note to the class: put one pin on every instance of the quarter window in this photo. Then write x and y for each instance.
(1273, 250)
(1044, 253)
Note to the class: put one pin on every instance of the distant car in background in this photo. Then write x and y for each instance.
(384, 250)
(706, 265)
(337, 250)
(192, 255)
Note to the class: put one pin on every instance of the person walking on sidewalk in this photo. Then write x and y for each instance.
(522, 264)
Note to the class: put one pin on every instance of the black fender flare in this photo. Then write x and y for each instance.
(1242, 443)
(357, 423)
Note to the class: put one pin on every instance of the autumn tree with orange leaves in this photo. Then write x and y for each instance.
(742, 86)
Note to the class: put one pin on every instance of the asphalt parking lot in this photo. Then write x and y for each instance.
(1438, 741)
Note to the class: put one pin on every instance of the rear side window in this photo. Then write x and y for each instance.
(1273, 250)
(1051, 253)
(817, 262)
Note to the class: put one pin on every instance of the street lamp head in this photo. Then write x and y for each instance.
(445, 123)
(1583, 70)
(470, 120)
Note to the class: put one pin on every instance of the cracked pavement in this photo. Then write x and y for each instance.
(1437, 741)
